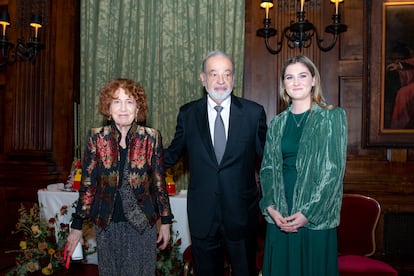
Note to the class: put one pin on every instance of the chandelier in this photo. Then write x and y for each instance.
(299, 34)
(10, 53)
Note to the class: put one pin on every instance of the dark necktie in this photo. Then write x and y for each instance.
(219, 134)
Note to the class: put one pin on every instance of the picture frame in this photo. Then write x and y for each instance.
(390, 49)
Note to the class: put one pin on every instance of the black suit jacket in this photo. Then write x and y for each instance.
(232, 184)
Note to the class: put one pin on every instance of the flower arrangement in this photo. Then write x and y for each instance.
(43, 241)
(169, 260)
(41, 248)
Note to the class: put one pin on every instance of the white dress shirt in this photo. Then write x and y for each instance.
(212, 113)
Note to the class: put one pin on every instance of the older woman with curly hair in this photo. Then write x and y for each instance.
(123, 189)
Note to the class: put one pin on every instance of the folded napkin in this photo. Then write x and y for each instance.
(55, 187)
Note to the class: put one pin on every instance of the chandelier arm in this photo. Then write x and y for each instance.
(289, 36)
(300, 33)
(328, 47)
(27, 51)
(279, 43)
(22, 52)
(10, 53)
(7, 52)
(336, 28)
(5, 56)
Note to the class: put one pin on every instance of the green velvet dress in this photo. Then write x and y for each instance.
(307, 252)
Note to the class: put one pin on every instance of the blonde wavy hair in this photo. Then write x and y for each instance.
(316, 93)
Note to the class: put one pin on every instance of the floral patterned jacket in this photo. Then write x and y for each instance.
(100, 175)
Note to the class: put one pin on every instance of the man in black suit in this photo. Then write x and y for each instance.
(222, 199)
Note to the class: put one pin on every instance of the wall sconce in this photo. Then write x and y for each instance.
(24, 51)
(299, 34)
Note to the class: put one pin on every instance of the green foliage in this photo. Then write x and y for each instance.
(169, 260)
(40, 247)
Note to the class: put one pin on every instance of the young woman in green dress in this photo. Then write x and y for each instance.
(301, 177)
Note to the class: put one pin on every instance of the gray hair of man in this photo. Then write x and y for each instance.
(213, 54)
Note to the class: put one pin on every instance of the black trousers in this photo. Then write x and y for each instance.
(209, 253)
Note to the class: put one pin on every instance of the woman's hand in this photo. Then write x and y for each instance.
(294, 222)
(74, 237)
(276, 216)
(290, 224)
(164, 236)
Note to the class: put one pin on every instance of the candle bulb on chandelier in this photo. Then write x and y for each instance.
(10, 52)
(300, 32)
(36, 23)
(36, 27)
(267, 5)
(336, 5)
(4, 22)
(4, 26)
(302, 3)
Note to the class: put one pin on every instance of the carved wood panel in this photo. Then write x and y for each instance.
(36, 112)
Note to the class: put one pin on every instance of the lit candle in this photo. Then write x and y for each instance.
(302, 2)
(36, 23)
(4, 24)
(336, 5)
(267, 5)
(4, 21)
(36, 27)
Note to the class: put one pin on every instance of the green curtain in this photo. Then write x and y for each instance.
(161, 44)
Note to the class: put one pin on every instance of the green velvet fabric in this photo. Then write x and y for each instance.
(320, 168)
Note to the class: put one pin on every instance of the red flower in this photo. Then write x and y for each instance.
(64, 210)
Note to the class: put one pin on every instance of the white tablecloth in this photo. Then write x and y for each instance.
(53, 198)
(179, 210)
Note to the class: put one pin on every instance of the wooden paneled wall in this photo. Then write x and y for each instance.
(36, 111)
(36, 105)
(383, 173)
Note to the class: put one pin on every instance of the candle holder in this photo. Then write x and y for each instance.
(10, 53)
(300, 33)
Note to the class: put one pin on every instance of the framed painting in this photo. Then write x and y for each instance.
(390, 74)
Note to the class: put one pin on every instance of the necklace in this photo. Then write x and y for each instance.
(301, 119)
